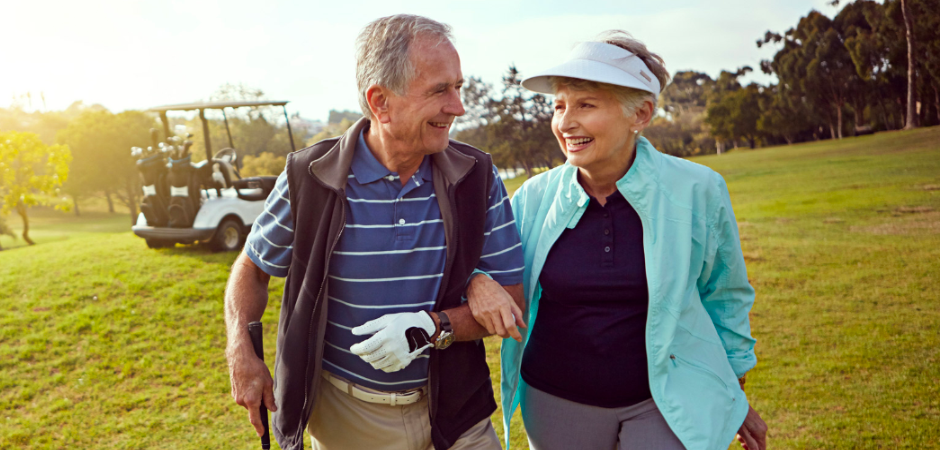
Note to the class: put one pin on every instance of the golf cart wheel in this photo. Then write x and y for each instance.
(228, 237)
(159, 243)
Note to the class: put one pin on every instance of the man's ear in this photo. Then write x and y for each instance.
(378, 97)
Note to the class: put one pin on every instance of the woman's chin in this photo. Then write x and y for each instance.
(578, 160)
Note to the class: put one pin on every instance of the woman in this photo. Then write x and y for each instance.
(636, 290)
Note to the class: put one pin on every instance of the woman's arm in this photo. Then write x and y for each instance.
(725, 291)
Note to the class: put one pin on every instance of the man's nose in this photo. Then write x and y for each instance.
(454, 105)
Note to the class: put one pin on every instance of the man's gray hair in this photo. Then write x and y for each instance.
(382, 52)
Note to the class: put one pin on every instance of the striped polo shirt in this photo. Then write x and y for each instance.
(389, 258)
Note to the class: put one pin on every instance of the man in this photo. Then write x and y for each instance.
(378, 233)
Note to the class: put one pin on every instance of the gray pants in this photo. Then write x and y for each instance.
(555, 423)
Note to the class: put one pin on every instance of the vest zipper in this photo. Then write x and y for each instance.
(452, 197)
(305, 413)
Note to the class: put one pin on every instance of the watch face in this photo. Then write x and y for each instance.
(444, 340)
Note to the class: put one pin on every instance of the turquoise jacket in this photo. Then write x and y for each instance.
(698, 335)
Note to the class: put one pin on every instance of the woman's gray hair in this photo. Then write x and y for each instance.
(629, 98)
(382, 52)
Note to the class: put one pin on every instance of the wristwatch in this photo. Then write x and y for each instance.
(447, 333)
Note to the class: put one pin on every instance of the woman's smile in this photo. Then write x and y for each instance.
(577, 143)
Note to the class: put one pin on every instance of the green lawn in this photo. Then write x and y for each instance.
(106, 344)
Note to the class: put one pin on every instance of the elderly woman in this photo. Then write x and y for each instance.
(636, 291)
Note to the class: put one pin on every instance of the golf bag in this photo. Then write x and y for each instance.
(153, 174)
(184, 192)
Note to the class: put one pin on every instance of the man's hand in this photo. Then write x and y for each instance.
(252, 384)
(246, 296)
(494, 308)
(388, 349)
(753, 432)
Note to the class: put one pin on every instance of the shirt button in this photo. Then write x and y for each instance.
(401, 221)
(607, 249)
(606, 231)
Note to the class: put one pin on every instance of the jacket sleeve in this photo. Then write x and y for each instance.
(723, 285)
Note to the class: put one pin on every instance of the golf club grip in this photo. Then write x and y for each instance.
(254, 330)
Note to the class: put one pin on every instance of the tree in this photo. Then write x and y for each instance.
(515, 128)
(909, 35)
(337, 116)
(263, 165)
(101, 142)
(30, 174)
(687, 93)
(330, 131)
(4, 228)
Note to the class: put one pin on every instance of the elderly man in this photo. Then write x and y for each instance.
(378, 233)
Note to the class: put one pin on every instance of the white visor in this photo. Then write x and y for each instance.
(600, 62)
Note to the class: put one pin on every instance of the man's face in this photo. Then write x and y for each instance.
(420, 119)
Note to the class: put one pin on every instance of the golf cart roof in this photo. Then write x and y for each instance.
(203, 106)
(214, 105)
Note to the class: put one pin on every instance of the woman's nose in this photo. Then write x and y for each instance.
(565, 121)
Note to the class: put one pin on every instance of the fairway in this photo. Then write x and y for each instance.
(106, 344)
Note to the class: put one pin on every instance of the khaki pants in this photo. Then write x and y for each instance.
(341, 422)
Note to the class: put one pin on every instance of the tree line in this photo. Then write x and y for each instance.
(873, 67)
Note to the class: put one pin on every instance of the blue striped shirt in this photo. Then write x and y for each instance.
(389, 258)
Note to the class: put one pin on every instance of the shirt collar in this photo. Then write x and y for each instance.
(635, 186)
(367, 168)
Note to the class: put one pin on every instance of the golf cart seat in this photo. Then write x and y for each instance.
(225, 165)
(262, 187)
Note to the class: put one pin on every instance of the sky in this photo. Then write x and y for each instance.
(127, 54)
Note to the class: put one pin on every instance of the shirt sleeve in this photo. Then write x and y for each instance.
(270, 244)
(502, 249)
(724, 288)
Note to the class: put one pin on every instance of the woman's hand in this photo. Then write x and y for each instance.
(753, 432)
(494, 308)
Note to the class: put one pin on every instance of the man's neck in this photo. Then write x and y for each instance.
(390, 154)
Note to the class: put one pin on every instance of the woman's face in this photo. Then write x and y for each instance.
(592, 131)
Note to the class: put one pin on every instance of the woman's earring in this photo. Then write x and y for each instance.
(636, 131)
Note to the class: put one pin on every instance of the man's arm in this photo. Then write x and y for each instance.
(466, 327)
(246, 297)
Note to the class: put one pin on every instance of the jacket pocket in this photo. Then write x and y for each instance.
(700, 368)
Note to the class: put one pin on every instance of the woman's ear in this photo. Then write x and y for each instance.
(644, 115)
(377, 98)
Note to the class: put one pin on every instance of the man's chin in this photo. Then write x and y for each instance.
(436, 147)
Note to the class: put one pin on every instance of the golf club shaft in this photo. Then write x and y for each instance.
(254, 330)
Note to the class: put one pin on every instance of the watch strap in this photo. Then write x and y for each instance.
(445, 322)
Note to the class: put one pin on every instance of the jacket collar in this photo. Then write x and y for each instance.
(636, 185)
(333, 167)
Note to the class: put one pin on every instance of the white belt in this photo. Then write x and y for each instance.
(370, 396)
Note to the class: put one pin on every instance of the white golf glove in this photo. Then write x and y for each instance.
(388, 348)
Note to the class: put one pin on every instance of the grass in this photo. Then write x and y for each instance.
(104, 343)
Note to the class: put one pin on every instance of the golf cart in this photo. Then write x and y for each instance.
(204, 202)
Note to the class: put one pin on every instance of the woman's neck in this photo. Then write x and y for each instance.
(601, 181)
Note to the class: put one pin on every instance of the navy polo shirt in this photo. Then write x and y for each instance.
(389, 258)
(588, 344)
